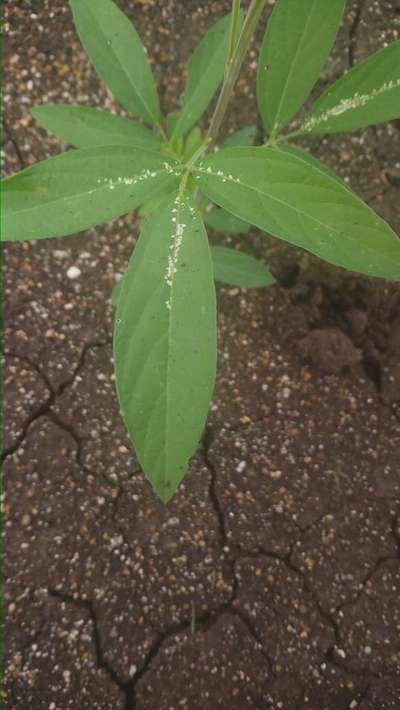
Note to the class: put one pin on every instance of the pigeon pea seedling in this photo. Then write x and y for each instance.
(165, 326)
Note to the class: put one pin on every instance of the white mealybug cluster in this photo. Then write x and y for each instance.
(172, 169)
(225, 177)
(175, 245)
(353, 102)
(126, 180)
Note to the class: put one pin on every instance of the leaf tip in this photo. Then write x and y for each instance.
(165, 490)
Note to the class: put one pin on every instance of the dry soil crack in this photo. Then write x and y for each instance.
(47, 407)
(102, 663)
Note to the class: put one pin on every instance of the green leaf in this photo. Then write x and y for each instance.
(223, 221)
(116, 52)
(296, 45)
(165, 342)
(205, 72)
(89, 127)
(116, 293)
(192, 143)
(82, 188)
(289, 149)
(369, 93)
(299, 203)
(158, 202)
(237, 269)
(245, 136)
(171, 123)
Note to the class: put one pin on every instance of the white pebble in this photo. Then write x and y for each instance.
(73, 272)
(241, 466)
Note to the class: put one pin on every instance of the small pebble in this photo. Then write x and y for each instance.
(73, 272)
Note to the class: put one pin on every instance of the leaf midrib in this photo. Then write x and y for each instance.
(79, 195)
(169, 342)
(165, 392)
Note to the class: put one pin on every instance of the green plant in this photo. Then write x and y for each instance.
(165, 332)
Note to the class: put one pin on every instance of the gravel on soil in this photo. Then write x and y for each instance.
(271, 580)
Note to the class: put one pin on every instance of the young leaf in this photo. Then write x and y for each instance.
(369, 93)
(205, 72)
(116, 52)
(244, 136)
(89, 127)
(238, 269)
(82, 188)
(223, 221)
(309, 159)
(296, 45)
(165, 342)
(299, 203)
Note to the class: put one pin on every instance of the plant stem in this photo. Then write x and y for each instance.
(233, 31)
(233, 68)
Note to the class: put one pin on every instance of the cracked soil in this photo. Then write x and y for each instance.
(272, 579)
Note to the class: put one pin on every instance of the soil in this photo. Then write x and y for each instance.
(272, 579)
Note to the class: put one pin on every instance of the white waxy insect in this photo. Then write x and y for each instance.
(351, 103)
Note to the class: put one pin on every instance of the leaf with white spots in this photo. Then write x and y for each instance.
(86, 127)
(117, 53)
(367, 94)
(294, 200)
(165, 342)
(297, 43)
(81, 189)
(205, 72)
(239, 269)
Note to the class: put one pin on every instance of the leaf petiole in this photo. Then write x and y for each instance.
(272, 140)
(233, 31)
